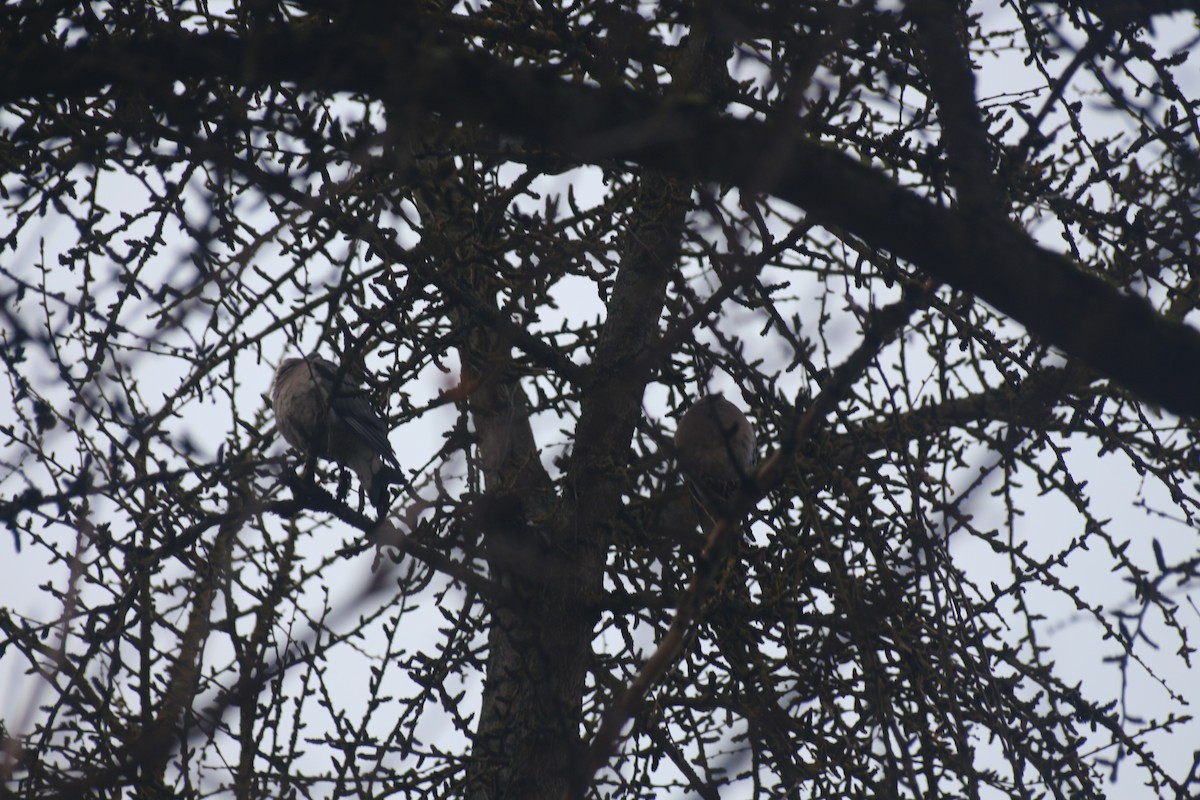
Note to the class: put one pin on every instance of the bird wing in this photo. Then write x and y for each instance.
(351, 406)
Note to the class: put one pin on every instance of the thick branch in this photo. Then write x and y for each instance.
(952, 84)
(1119, 335)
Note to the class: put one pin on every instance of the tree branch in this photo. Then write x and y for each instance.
(1118, 335)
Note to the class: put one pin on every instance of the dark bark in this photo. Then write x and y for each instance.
(1115, 333)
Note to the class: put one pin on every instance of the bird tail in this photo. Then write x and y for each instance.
(384, 477)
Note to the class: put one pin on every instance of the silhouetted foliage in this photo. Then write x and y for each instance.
(943, 256)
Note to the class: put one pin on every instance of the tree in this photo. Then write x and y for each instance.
(536, 233)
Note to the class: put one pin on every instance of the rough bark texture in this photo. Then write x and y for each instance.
(594, 491)
(528, 737)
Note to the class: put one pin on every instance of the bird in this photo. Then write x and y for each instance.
(716, 449)
(322, 413)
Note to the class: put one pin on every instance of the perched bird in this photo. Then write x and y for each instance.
(716, 450)
(321, 412)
